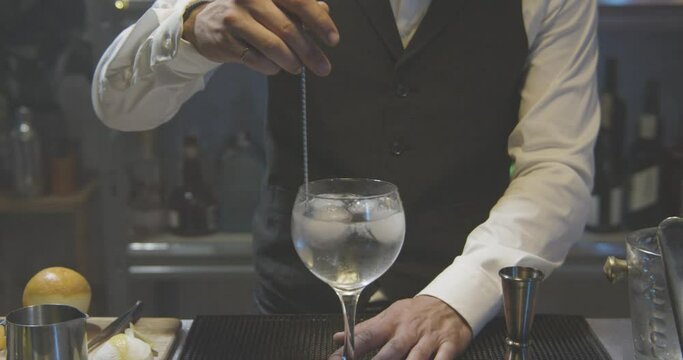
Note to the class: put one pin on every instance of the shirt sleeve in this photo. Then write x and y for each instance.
(149, 71)
(544, 209)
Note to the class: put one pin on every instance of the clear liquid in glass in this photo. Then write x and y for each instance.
(348, 243)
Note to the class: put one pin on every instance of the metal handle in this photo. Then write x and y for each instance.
(615, 269)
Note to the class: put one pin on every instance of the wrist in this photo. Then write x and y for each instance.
(189, 18)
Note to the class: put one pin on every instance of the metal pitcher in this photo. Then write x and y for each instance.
(46, 332)
(653, 327)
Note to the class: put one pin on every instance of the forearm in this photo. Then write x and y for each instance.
(531, 228)
(148, 72)
(544, 209)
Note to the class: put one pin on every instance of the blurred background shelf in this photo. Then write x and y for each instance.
(170, 256)
(51, 203)
(641, 15)
(75, 204)
(46, 231)
(579, 286)
(641, 3)
(167, 271)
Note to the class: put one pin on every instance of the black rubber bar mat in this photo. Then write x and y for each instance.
(309, 337)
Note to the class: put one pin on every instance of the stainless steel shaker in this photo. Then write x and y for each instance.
(46, 332)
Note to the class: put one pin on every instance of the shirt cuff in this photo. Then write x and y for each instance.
(470, 291)
(189, 61)
(175, 53)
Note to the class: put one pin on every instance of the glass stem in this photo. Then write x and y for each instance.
(349, 300)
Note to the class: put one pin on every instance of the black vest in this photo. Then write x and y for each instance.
(434, 119)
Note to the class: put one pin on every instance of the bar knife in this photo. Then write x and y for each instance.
(121, 323)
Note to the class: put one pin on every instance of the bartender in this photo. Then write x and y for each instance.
(439, 97)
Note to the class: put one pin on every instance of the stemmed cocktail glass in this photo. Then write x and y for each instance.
(348, 232)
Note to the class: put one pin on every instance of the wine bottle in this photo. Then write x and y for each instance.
(643, 196)
(193, 207)
(606, 209)
(672, 178)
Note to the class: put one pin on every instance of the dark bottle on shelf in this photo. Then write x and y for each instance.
(644, 178)
(193, 208)
(607, 198)
(672, 178)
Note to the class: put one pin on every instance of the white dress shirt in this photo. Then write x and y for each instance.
(148, 72)
(408, 15)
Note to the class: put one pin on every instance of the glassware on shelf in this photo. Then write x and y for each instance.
(242, 168)
(348, 232)
(145, 201)
(27, 164)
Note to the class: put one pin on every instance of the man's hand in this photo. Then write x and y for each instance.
(420, 328)
(266, 35)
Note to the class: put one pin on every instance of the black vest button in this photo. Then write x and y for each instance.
(402, 91)
(397, 148)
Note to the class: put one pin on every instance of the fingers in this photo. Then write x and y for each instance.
(232, 48)
(223, 29)
(253, 59)
(364, 340)
(447, 351)
(267, 43)
(338, 338)
(369, 339)
(324, 5)
(314, 17)
(414, 329)
(397, 348)
(337, 355)
(369, 335)
(301, 44)
(423, 349)
(361, 327)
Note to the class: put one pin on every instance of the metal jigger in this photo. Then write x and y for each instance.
(519, 303)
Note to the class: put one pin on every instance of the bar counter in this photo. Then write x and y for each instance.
(614, 334)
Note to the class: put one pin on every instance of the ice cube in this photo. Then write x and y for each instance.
(322, 224)
(391, 229)
(363, 209)
(324, 234)
(328, 209)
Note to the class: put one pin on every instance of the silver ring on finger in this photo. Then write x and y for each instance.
(243, 54)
